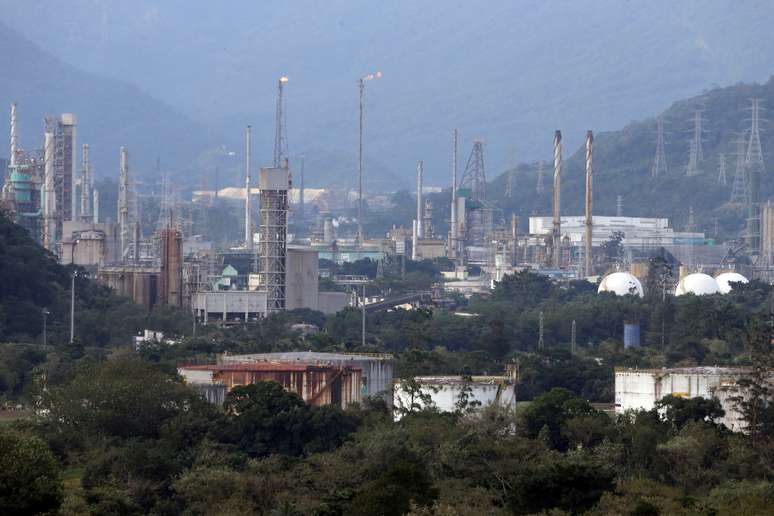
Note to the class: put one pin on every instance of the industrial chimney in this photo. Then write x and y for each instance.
(420, 229)
(557, 200)
(248, 164)
(14, 144)
(49, 196)
(123, 201)
(453, 232)
(86, 185)
(589, 201)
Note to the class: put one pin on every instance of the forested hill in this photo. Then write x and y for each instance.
(623, 161)
(32, 281)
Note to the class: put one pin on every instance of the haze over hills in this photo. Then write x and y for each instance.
(109, 112)
(623, 161)
(509, 72)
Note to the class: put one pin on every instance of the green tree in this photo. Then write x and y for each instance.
(29, 475)
(679, 411)
(392, 493)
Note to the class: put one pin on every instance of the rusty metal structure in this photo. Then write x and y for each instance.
(171, 276)
(316, 384)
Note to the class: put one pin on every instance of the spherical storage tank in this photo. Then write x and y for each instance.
(698, 283)
(621, 284)
(727, 278)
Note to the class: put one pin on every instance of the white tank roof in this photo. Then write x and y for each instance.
(621, 284)
(725, 279)
(698, 283)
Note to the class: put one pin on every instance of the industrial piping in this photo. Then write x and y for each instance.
(589, 201)
(557, 200)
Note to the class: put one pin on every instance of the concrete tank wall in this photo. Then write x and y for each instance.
(301, 278)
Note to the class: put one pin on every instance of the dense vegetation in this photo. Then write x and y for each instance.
(112, 431)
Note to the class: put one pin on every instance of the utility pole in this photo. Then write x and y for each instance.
(722, 179)
(363, 318)
(696, 155)
(572, 341)
(539, 188)
(659, 163)
(361, 88)
(45, 340)
(72, 307)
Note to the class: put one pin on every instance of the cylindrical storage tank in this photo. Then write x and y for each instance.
(631, 334)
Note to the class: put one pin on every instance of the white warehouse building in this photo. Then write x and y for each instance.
(638, 231)
(640, 389)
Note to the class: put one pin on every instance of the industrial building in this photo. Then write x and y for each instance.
(637, 231)
(376, 368)
(317, 385)
(640, 389)
(445, 392)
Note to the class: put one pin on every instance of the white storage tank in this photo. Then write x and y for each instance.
(698, 284)
(726, 279)
(621, 284)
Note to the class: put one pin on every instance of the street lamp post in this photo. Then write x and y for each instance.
(72, 307)
(361, 87)
(45, 313)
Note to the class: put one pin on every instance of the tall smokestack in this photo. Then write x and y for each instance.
(557, 201)
(95, 211)
(123, 201)
(14, 144)
(49, 197)
(514, 235)
(301, 192)
(420, 229)
(589, 200)
(248, 182)
(453, 233)
(414, 240)
(86, 185)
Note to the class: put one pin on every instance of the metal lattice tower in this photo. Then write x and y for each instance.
(754, 153)
(509, 185)
(274, 184)
(619, 206)
(539, 188)
(696, 154)
(722, 176)
(540, 331)
(280, 136)
(660, 162)
(740, 188)
(474, 176)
